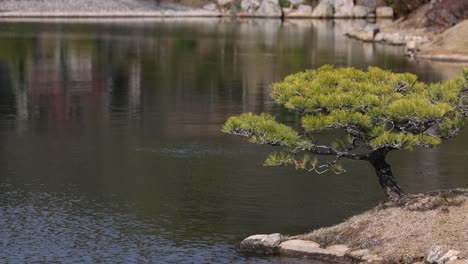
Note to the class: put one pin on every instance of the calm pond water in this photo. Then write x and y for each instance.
(111, 150)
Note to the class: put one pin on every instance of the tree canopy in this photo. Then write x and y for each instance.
(378, 110)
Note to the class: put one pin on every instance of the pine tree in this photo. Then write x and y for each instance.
(378, 110)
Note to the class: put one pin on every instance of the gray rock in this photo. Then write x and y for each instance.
(412, 46)
(450, 255)
(434, 254)
(360, 11)
(262, 244)
(223, 2)
(210, 7)
(343, 8)
(269, 8)
(384, 11)
(374, 28)
(304, 9)
(299, 245)
(296, 2)
(323, 10)
(372, 4)
(368, 33)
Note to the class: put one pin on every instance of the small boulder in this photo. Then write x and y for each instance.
(296, 3)
(360, 11)
(323, 10)
(210, 7)
(434, 254)
(262, 244)
(223, 2)
(343, 8)
(371, 4)
(384, 12)
(269, 8)
(450, 255)
(304, 9)
(373, 28)
(299, 245)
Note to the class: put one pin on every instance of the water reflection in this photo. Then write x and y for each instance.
(112, 128)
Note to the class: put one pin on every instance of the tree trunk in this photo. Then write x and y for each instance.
(385, 175)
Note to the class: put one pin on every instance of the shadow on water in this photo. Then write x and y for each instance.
(110, 142)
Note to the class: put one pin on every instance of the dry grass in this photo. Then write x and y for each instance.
(404, 232)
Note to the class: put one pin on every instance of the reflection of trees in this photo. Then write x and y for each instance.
(182, 67)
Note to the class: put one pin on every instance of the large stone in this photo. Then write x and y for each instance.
(262, 244)
(360, 11)
(450, 255)
(434, 254)
(210, 7)
(296, 3)
(384, 12)
(343, 8)
(368, 33)
(299, 245)
(304, 9)
(371, 4)
(249, 5)
(269, 8)
(223, 2)
(323, 10)
(304, 248)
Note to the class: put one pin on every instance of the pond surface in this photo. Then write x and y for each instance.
(111, 150)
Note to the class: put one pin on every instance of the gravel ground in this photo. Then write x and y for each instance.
(87, 6)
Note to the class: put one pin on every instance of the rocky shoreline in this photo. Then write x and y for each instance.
(219, 8)
(426, 228)
(421, 33)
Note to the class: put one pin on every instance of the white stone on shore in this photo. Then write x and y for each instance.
(384, 12)
(304, 9)
(223, 2)
(296, 3)
(269, 8)
(249, 5)
(360, 11)
(299, 245)
(210, 7)
(310, 249)
(323, 10)
(262, 244)
(343, 8)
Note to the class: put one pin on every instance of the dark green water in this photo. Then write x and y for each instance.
(111, 150)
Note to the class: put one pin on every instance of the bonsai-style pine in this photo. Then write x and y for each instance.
(378, 111)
